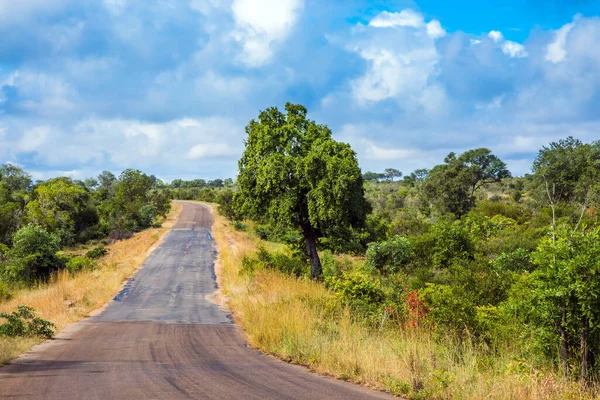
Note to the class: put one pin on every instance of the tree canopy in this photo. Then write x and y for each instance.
(293, 174)
(451, 186)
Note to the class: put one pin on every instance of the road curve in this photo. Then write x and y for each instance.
(162, 337)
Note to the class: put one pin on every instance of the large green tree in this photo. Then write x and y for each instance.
(451, 187)
(57, 204)
(568, 171)
(294, 175)
(14, 183)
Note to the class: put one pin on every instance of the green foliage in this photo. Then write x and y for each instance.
(33, 255)
(57, 205)
(570, 169)
(294, 266)
(450, 187)
(294, 175)
(24, 322)
(79, 264)
(358, 290)
(261, 231)
(566, 288)
(97, 252)
(449, 307)
(5, 292)
(387, 257)
(239, 226)
(518, 261)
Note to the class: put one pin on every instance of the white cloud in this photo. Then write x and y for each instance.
(34, 139)
(556, 51)
(375, 152)
(510, 48)
(496, 36)
(127, 143)
(435, 30)
(207, 150)
(401, 62)
(407, 18)
(404, 18)
(43, 94)
(262, 23)
(513, 49)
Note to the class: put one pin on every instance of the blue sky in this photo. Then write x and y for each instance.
(168, 86)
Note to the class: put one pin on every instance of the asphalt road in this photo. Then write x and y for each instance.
(163, 337)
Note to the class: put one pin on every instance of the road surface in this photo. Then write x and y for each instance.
(163, 337)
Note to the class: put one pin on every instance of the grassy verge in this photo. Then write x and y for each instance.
(70, 298)
(293, 320)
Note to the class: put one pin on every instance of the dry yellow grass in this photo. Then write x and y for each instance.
(67, 299)
(291, 318)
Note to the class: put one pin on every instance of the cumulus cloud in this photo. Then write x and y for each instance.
(93, 85)
(260, 24)
(406, 17)
(510, 48)
(555, 52)
(119, 144)
(401, 57)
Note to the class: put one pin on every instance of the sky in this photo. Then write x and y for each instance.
(167, 86)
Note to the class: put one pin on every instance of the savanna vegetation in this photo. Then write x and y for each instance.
(43, 227)
(459, 281)
(456, 282)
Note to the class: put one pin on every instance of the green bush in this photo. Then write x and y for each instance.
(261, 231)
(97, 252)
(5, 292)
(294, 266)
(356, 288)
(238, 226)
(33, 255)
(449, 307)
(23, 322)
(387, 257)
(80, 263)
(147, 216)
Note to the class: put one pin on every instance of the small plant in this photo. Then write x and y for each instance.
(5, 293)
(97, 252)
(240, 226)
(24, 322)
(79, 263)
(261, 231)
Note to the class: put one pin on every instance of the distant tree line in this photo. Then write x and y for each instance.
(38, 219)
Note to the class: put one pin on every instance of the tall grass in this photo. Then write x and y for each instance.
(295, 320)
(69, 298)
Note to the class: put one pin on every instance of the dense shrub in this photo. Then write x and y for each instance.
(5, 292)
(238, 226)
(148, 213)
(358, 290)
(97, 252)
(33, 255)
(24, 322)
(261, 231)
(79, 263)
(387, 257)
(290, 265)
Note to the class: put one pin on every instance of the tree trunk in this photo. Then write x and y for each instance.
(564, 346)
(311, 249)
(585, 352)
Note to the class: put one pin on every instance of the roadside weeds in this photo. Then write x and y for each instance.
(290, 318)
